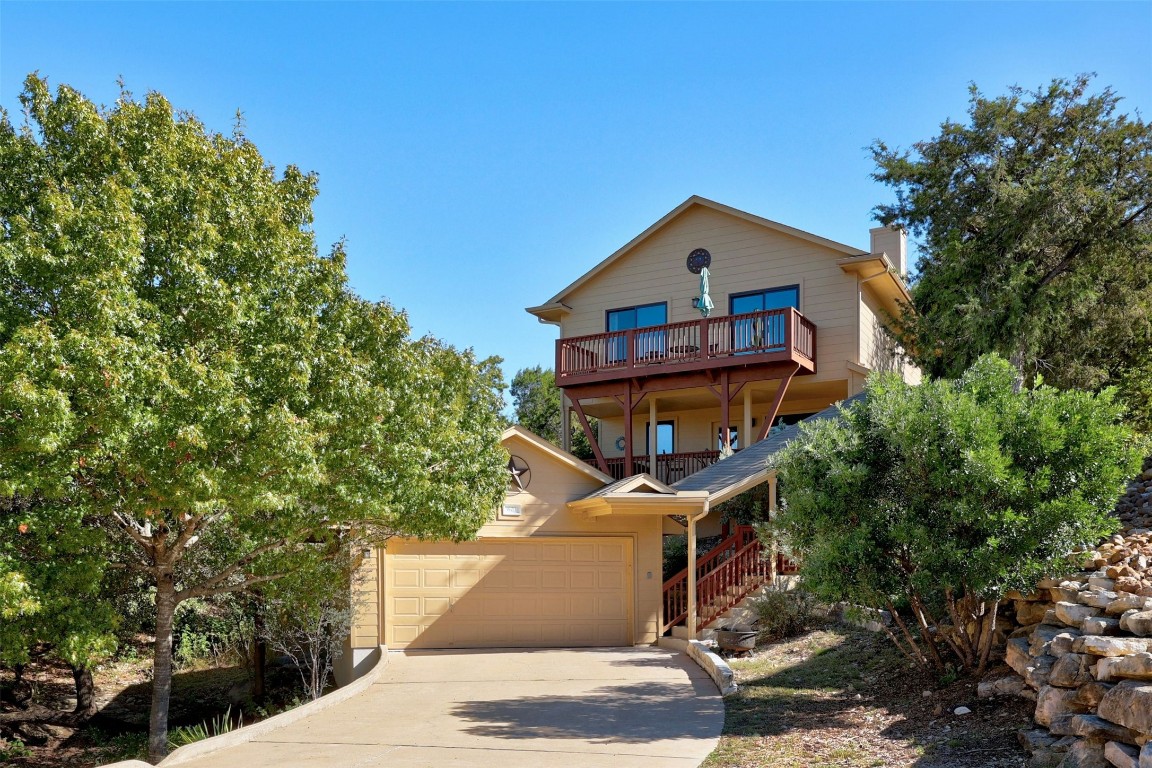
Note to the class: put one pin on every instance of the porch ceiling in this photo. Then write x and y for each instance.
(801, 392)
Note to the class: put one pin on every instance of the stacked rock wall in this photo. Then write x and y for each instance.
(1083, 651)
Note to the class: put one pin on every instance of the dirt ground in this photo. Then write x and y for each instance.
(123, 695)
(843, 697)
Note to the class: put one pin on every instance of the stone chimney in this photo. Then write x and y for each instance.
(893, 242)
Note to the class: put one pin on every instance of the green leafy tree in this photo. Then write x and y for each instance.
(62, 566)
(537, 401)
(183, 371)
(1035, 218)
(937, 499)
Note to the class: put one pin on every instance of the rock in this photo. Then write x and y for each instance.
(1051, 619)
(1035, 739)
(1072, 670)
(1062, 643)
(1016, 654)
(1063, 593)
(926, 694)
(961, 711)
(1121, 755)
(1090, 694)
(1128, 584)
(1146, 756)
(1097, 598)
(1140, 623)
(1129, 703)
(1095, 727)
(1101, 582)
(1125, 601)
(1100, 625)
(33, 734)
(1030, 613)
(1110, 646)
(1085, 753)
(1000, 685)
(1042, 638)
(1053, 702)
(1073, 614)
(1138, 666)
(1062, 725)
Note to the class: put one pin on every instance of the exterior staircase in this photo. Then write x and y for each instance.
(732, 572)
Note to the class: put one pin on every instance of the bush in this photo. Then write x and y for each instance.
(784, 613)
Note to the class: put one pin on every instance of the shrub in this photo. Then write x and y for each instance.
(783, 613)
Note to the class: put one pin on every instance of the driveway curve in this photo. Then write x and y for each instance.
(593, 708)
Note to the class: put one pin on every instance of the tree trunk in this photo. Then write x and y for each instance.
(259, 651)
(162, 667)
(85, 691)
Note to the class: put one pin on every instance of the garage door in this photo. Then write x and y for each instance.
(509, 593)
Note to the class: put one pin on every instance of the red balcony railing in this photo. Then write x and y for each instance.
(772, 335)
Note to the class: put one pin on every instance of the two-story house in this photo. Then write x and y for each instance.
(678, 377)
(796, 325)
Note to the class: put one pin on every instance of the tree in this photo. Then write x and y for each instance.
(932, 501)
(537, 401)
(182, 371)
(1036, 226)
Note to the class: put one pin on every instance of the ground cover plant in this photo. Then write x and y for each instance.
(841, 697)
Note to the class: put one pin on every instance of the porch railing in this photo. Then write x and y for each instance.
(727, 574)
(670, 467)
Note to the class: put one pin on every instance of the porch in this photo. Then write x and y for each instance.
(670, 467)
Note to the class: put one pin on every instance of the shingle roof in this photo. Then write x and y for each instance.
(616, 486)
(753, 459)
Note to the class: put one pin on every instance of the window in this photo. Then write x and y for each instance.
(665, 437)
(766, 332)
(649, 344)
(733, 435)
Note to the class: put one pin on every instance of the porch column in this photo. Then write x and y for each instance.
(725, 405)
(565, 423)
(690, 621)
(652, 438)
(629, 470)
(746, 436)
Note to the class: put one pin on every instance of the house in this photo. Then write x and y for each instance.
(678, 377)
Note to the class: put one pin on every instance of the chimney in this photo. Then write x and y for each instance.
(893, 242)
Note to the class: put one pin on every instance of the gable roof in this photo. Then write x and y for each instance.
(548, 311)
(562, 456)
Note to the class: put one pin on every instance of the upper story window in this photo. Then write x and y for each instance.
(650, 344)
(637, 317)
(772, 298)
(761, 333)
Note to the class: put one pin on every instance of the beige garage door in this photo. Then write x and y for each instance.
(510, 593)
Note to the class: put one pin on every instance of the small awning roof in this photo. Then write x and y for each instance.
(644, 494)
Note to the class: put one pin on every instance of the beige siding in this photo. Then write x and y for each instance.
(366, 603)
(543, 513)
(878, 351)
(745, 257)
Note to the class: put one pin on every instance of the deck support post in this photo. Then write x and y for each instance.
(565, 423)
(746, 428)
(725, 411)
(776, 401)
(652, 432)
(629, 470)
(773, 552)
(600, 462)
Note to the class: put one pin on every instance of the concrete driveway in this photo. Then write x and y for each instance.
(593, 708)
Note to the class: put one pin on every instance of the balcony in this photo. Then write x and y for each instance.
(670, 467)
(768, 336)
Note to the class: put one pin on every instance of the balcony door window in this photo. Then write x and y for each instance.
(665, 437)
(733, 434)
(649, 344)
(764, 333)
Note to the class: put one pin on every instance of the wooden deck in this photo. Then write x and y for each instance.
(729, 341)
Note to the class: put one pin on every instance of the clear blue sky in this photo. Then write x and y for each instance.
(480, 157)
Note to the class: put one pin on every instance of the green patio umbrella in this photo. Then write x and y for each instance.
(704, 303)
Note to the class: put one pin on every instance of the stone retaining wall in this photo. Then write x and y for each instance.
(1083, 651)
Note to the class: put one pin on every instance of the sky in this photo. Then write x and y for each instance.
(477, 157)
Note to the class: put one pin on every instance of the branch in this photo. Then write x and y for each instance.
(134, 531)
(238, 587)
(230, 571)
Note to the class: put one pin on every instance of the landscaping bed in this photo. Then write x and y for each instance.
(840, 696)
